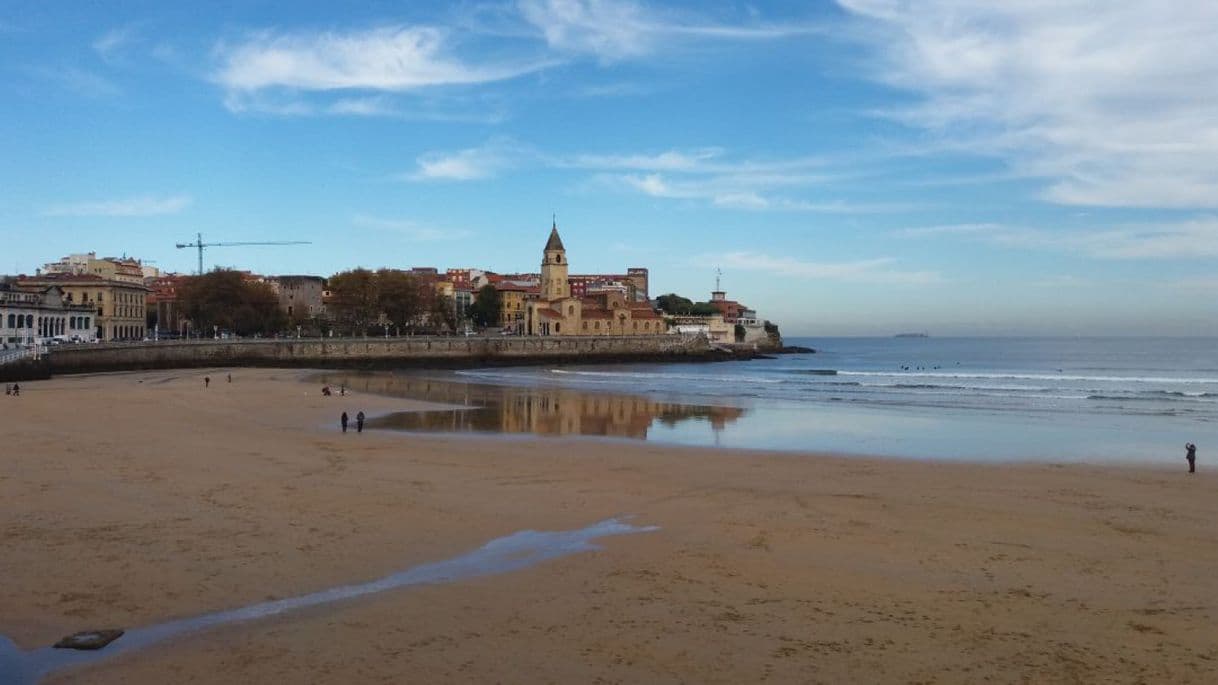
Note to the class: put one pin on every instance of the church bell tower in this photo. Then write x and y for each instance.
(554, 283)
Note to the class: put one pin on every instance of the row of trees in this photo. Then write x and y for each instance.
(362, 301)
(676, 305)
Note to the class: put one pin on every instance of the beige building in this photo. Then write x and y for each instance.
(120, 304)
(557, 312)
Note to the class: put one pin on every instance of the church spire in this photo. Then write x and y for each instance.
(554, 243)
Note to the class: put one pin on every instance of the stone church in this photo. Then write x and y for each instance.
(557, 312)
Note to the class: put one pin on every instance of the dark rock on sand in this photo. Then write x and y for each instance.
(89, 639)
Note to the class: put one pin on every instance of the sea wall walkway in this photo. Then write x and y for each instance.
(451, 351)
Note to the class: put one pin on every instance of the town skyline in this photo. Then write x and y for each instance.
(854, 168)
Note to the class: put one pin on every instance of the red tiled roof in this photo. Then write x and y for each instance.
(548, 314)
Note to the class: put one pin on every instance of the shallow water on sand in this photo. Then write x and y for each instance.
(1098, 400)
(502, 555)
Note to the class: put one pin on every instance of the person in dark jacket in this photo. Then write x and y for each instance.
(1190, 453)
(343, 420)
(359, 422)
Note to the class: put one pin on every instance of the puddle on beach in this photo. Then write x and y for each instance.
(502, 555)
(548, 411)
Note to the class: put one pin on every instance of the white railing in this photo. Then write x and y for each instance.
(9, 356)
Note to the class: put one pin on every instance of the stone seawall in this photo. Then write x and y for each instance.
(377, 352)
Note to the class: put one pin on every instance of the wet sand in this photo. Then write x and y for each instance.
(131, 499)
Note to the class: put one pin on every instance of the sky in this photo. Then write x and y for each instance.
(859, 167)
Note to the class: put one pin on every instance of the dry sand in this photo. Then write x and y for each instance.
(129, 499)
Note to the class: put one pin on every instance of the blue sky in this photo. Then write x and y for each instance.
(854, 167)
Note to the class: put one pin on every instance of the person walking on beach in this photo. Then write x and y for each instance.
(207, 381)
(359, 422)
(230, 378)
(16, 390)
(343, 420)
(1190, 453)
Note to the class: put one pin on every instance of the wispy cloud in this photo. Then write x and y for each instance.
(614, 30)
(390, 59)
(111, 42)
(146, 205)
(882, 270)
(470, 164)
(79, 81)
(1193, 238)
(707, 175)
(1111, 102)
(410, 229)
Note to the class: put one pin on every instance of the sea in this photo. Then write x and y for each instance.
(1101, 400)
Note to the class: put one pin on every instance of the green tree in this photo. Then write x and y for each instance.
(400, 297)
(354, 300)
(485, 309)
(676, 305)
(225, 299)
(673, 303)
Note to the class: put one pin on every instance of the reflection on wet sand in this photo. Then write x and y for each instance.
(535, 410)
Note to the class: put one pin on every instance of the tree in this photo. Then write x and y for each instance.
(400, 296)
(485, 309)
(442, 312)
(676, 305)
(354, 300)
(225, 299)
(673, 303)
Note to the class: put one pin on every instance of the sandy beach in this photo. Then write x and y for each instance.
(130, 499)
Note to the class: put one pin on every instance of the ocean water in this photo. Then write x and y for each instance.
(1047, 399)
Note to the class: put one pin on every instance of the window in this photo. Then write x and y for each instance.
(12, 321)
(557, 327)
(100, 297)
(598, 324)
(585, 325)
(636, 325)
(571, 310)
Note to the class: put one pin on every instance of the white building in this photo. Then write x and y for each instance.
(34, 317)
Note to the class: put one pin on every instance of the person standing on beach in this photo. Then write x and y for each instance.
(230, 378)
(359, 422)
(16, 390)
(343, 420)
(207, 381)
(1190, 453)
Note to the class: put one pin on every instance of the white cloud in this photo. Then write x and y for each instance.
(704, 175)
(109, 43)
(1193, 238)
(146, 205)
(950, 229)
(393, 59)
(879, 270)
(469, 164)
(79, 81)
(1112, 102)
(411, 229)
(614, 30)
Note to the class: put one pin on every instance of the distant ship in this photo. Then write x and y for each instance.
(911, 335)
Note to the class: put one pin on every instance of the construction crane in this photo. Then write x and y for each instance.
(198, 243)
